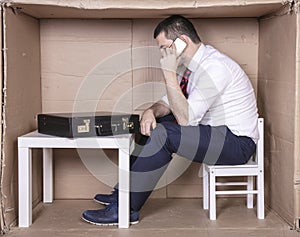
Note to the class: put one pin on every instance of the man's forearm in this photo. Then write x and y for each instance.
(178, 102)
(160, 109)
(178, 105)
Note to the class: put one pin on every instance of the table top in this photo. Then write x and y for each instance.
(38, 140)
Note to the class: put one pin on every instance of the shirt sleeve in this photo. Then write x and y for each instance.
(208, 84)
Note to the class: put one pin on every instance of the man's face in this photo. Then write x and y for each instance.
(163, 42)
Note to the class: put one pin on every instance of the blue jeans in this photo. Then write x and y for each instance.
(202, 143)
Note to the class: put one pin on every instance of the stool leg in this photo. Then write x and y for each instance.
(25, 186)
(124, 179)
(212, 195)
(205, 187)
(48, 175)
(250, 196)
(260, 196)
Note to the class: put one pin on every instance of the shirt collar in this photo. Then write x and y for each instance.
(193, 65)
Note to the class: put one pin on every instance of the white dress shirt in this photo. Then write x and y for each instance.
(220, 93)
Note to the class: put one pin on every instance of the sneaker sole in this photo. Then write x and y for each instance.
(107, 224)
(103, 203)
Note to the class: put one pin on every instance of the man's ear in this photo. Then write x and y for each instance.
(185, 38)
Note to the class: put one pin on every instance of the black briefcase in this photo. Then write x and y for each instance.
(87, 124)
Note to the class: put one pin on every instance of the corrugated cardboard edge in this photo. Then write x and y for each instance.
(297, 123)
(297, 208)
(3, 79)
(296, 6)
(137, 4)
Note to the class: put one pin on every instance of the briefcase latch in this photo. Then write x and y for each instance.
(84, 128)
(127, 124)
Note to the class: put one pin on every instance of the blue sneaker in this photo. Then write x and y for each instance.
(108, 216)
(107, 199)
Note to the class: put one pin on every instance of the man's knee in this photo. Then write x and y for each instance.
(167, 134)
(165, 130)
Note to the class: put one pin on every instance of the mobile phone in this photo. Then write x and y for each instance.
(180, 46)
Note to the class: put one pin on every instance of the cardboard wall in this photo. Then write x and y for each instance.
(81, 66)
(22, 102)
(276, 98)
(297, 127)
(113, 65)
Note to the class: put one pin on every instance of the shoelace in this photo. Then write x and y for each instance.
(113, 205)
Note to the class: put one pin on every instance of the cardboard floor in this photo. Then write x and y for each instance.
(159, 217)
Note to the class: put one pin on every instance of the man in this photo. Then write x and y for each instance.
(214, 116)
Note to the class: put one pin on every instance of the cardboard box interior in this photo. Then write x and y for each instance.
(279, 107)
(85, 62)
(21, 102)
(68, 66)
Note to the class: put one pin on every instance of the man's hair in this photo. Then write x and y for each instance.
(177, 25)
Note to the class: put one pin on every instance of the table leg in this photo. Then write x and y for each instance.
(48, 175)
(124, 175)
(25, 186)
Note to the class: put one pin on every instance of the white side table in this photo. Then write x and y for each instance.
(26, 143)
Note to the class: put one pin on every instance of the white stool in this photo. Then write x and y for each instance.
(255, 167)
(36, 140)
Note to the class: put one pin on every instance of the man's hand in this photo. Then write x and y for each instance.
(169, 62)
(148, 122)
